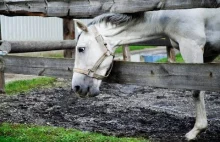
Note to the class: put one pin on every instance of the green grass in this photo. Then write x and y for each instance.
(179, 59)
(132, 48)
(33, 133)
(26, 85)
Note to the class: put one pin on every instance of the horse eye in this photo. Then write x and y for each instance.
(81, 49)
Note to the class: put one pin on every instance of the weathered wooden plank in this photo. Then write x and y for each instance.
(92, 8)
(177, 76)
(39, 66)
(23, 7)
(131, 6)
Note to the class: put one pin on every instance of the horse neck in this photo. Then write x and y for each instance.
(149, 28)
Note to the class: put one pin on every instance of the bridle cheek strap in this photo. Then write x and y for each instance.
(92, 72)
(89, 73)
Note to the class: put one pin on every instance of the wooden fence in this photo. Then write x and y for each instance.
(178, 76)
(184, 76)
(37, 46)
(91, 8)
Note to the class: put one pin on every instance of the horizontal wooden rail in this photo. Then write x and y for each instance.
(39, 66)
(177, 76)
(92, 8)
(37, 46)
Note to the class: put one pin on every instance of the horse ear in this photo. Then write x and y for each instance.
(81, 26)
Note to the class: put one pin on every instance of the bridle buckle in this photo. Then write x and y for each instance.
(91, 73)
(108, 53)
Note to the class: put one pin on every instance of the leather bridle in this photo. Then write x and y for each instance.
(92, 72)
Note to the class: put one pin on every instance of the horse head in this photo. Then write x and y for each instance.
(93, 61)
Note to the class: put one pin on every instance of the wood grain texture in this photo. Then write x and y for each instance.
(39, 66)
(69, 34)
(177, 76)
(37, 46)
(92, 8)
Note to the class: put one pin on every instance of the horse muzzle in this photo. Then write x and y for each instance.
(83, 91)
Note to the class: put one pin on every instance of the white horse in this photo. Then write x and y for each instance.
(195, 32)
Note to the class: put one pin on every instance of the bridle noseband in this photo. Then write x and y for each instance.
(92, 72)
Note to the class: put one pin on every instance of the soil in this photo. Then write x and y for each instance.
(120, 110)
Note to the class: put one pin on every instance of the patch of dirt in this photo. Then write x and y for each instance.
(121, 110)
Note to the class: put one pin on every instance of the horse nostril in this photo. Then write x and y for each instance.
(77, 88)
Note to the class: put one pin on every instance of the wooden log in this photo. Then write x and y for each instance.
(176, 76)
(68, 34)
(126, 53)
(5, 46)
(92, 8)
(36, 46)
(2, 76)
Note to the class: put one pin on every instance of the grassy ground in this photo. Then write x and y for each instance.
(26, 85)
(31, 133)
(179, 59)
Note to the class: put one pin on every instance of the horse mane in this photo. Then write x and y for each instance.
(117, 19)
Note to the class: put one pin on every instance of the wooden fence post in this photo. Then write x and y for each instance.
(126, 53)
(68, 33)
(2, 76)
(2, 66)
(171, 56)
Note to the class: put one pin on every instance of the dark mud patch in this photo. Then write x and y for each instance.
(121, 110)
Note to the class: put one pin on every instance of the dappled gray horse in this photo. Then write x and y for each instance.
(195, 32)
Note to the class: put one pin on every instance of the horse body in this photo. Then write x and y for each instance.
(195, 32)
(198, 25)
